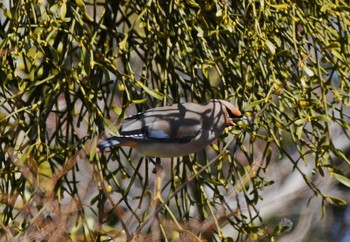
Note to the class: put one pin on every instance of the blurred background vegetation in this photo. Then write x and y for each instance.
(70, 69)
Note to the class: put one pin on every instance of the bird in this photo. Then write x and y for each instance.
(176, 130)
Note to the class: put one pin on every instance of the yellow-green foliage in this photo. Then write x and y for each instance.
(70, 69)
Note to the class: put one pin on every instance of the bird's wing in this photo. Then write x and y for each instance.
(176, 123)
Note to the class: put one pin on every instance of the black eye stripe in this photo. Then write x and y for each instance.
(231, 115)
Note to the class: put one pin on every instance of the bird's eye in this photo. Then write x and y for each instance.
(233, 114)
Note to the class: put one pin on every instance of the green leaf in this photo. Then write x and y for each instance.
(299, 131)
(335, 200)
(123, 45)
(270, 47)
(25, 154)
(110, 127)
(341, 155)
(63, 11)
(153, 93)
(342, 179)
(279, 6)
(326, 7)
(301, 121)
(337, 54)
(254, 104)
(139, 101)
(308, 71)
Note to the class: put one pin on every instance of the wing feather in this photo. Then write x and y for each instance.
(176, 123)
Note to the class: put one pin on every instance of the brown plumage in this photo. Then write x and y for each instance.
(176, 130)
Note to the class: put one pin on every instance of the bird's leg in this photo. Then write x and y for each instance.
(158, 182)
(157, 199)
(156, 227)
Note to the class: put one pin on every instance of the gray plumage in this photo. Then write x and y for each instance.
(176, 130)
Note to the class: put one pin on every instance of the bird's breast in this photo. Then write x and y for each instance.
(176, 149)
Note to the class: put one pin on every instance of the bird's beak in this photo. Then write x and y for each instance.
(233, 121)
(230, 122)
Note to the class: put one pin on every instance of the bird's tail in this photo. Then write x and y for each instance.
(112, 141)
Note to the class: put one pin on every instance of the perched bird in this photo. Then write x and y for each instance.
(175, 130)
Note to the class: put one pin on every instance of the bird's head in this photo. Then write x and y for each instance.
(233, 114)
